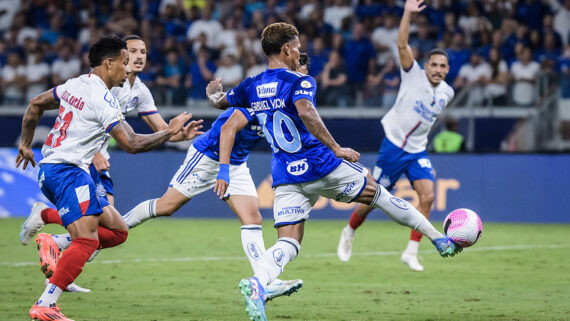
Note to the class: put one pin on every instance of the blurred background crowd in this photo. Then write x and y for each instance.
(496, 47)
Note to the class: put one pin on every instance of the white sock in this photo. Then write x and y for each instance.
(403, 213)
(350, 231)
(275, 259)
(413, 247)
(142, 212)
(253, 245)
(63, 240)
(50, 295)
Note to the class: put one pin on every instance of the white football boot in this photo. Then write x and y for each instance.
(280, 287)
(33, 223)
(344, 250)
(412, 261)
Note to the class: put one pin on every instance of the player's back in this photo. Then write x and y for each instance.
(408, 123)
(245, 140)
(87, 111)
(297, 155)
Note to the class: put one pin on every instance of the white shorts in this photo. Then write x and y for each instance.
(293, 202)
(198, 174)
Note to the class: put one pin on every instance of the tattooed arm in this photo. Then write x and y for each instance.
(34, 112)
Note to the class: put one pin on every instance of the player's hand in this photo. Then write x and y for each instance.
(414, 5)
(192, 129)
(348, 154)
(100, 162)
(222, 180)
(177, 123)
(214, 87)
(26, 155)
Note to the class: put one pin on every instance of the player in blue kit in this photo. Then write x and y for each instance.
(422, 96)
(307, 162)
(198, 174)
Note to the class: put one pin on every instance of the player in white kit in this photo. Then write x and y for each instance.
(422, 97)
(133, 94)
(87, 112)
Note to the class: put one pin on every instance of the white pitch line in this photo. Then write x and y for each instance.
(239, 258)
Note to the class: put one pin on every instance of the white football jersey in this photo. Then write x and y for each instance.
(137, 97)
(408, 123)
(87, 112)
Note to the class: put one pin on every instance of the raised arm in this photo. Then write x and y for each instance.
(34, 112)
(404, 50)
(315, 125)
(139, 143)
(216, 96)
(227, 138)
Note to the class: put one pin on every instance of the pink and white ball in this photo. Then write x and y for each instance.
(463, 226)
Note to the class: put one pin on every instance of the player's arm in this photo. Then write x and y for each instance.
(404, 50)
(227, 138)
(157, 123)
(317, 128)
(133, 143)
(34, 112)
(216, 96)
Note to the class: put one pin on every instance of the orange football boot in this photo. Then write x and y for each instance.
(47, 313)
(49, 253)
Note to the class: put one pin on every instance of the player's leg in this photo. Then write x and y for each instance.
(425, 190)
(166, 205)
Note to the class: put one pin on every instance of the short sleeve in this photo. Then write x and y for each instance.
(237, 96)
(248, 113)
(108, 112)
(145, 105)
(304, 88)
(414, 71)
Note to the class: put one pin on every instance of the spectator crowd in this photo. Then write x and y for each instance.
(496, 48)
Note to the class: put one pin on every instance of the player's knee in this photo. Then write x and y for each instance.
(165, 208)
(426, 199)
(120, 236)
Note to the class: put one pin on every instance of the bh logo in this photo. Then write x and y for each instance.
(298, 167)
(254, 251)
(278, 257)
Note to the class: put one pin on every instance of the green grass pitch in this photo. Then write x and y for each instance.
(189, 269)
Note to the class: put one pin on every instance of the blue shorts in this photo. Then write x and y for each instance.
(393, 162)
(72, 191)
(102, 181)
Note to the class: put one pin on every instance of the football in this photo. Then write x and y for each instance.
(463, 226)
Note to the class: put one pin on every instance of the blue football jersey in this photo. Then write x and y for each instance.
(298, 156)
(209, 142)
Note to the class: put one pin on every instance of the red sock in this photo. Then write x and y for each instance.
(110, 238)
(71, 262)
(50, 215)
(356, 220)
(415, 236)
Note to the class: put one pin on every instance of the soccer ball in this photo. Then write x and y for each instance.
(463, 226)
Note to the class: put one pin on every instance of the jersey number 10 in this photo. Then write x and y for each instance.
(278, 140)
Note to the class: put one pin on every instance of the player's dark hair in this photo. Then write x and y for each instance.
(304, 59)
(436, 51)
(106, 47)
(276, 35)
(133, 37)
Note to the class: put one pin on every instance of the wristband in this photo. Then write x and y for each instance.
(224, 172)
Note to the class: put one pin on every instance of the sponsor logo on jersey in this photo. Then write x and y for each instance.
(399, 203)
(424, 111)
(298, 167)
(306, 84)
(76, 102)
(267, 90)
(424, 163)
(111, 100)
(62, 211)
(278, 256)
(303, 92)
(295, 210)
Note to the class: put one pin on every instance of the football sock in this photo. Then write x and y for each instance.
(50, 215)
(111, 238)
(253, 245)
(63, 240)
(403, 213)
(415, 236)
(413, 247)
(276, 257)
(50, 295)
(142, 212)
(355, 220)
(71, 262)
